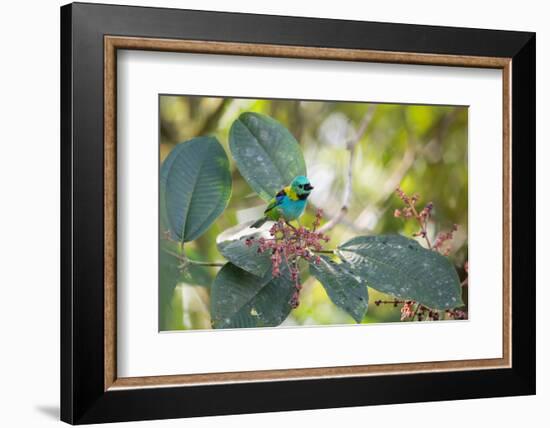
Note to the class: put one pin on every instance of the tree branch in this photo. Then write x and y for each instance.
(388, 188)
(186, 261)
(351, 146)
(211, 122)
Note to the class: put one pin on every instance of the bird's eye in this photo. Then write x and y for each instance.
(301, 186)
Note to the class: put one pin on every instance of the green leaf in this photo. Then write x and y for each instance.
(241, 299)
(195, 185)
(343, 286)
(169, 276)
(266, 153)
(231, 244)
(400, 267)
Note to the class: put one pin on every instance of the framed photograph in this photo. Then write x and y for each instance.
(265, 213)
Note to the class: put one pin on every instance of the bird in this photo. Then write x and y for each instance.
(289, 203)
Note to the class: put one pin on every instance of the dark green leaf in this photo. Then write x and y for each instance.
(400, 267)
(241, 299)
(343, 287)
(195, 185)
(266, 153)
(231, 243)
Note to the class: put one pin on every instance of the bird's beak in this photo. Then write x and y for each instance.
(308, 187)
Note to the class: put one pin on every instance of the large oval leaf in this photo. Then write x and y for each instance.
(232, 245)
(195, 185)
(343, 286)
(400, 267)
(241, 299)
(266, 153)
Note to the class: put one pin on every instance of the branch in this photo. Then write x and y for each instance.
(423, 225)
(211, 121)
(351, 146)
(186, 261)
(388, 188)
(324, 252)
(199, 263)
(418, 305)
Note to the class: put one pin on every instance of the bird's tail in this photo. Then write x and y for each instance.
(259, 223)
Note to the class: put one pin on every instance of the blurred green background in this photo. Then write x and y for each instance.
(421, 148)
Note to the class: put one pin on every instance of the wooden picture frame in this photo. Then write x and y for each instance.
(91, 390)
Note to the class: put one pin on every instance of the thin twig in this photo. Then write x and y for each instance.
(199, 263)
(178, 256)
(394, 302)
(415, 311)
(351, 146)
(323, 251)
(288, 224)
(185, 261)
(423, 225)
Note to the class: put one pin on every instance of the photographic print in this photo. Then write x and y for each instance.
(313, 202)
(283, 213)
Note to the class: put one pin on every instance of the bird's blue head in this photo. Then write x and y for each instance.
(301, 186)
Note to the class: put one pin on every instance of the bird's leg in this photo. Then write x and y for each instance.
(288, 224)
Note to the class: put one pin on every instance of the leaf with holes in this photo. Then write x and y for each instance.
(195, 185)
(344, 287)
(241, 299)
(266, 153)
(401, 267)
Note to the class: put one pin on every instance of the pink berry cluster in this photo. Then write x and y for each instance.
(407, 310)
(288, 243)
